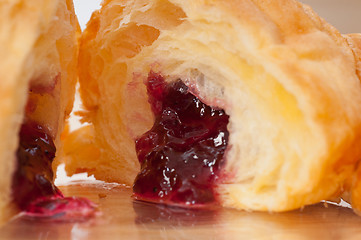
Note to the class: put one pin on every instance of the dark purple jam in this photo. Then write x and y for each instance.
(33, 189)
(34, 176)
(181, 156)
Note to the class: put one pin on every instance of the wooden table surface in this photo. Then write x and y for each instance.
(123, 218)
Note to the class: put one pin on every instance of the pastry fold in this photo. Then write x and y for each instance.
(289, 81)
(39, 50)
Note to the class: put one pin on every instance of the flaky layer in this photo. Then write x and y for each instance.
(38, 75)
(286, 78)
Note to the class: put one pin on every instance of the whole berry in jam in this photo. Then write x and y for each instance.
(182, 155)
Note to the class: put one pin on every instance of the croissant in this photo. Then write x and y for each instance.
(39, 50)
(249, 104)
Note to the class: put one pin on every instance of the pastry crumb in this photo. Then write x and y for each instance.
(102, 195)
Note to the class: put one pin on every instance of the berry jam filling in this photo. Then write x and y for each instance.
(182, 155)
(33, 189)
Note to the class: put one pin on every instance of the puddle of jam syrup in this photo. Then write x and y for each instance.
(181, 156)
(33, 189)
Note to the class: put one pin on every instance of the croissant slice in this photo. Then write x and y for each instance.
(250, 104)
(38, 45)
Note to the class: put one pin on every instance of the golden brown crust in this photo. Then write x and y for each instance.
(38, 45)
(351, 189)
(286, 78)
(354, 41)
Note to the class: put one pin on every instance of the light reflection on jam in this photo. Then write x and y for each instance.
(181, 156)
(33, 189)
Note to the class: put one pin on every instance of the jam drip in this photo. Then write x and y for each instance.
(33, 189)
(181, 156)
(34, 175)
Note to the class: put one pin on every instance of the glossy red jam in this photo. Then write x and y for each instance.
(61, 208)
(33, 189)
(181, 156)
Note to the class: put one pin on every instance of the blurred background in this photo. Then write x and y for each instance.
(84, 9)
(343, 14)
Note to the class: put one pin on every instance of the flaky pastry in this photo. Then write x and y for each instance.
(253, 104)
(39, 50)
